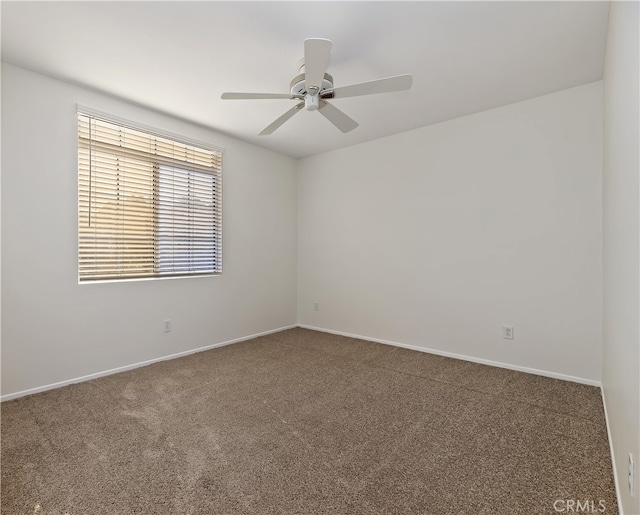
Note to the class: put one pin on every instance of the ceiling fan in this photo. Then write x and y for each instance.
(313, 86)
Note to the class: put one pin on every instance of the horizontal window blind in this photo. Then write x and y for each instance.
(148, 205)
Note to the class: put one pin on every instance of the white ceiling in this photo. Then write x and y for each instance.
(179, 57)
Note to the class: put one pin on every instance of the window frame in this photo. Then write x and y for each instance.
(213, 252)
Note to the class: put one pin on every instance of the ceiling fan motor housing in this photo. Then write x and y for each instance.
(299, 88)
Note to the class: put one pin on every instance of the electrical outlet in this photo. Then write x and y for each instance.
(507, 332)
(167, 325)
(316, 306)
(632, 474)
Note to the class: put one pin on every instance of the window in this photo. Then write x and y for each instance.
(149, 205)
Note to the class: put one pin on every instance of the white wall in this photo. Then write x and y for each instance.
(56, 330)
(438, 237)
(621, 356)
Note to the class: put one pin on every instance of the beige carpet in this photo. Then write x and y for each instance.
(304, 422)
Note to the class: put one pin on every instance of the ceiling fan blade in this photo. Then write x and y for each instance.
(250, 96)
(270, 129)
(387, 85)
(337, 117)
(316, 59)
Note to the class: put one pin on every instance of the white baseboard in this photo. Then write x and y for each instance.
(613, 456)
(60, 384)
(509, 366)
